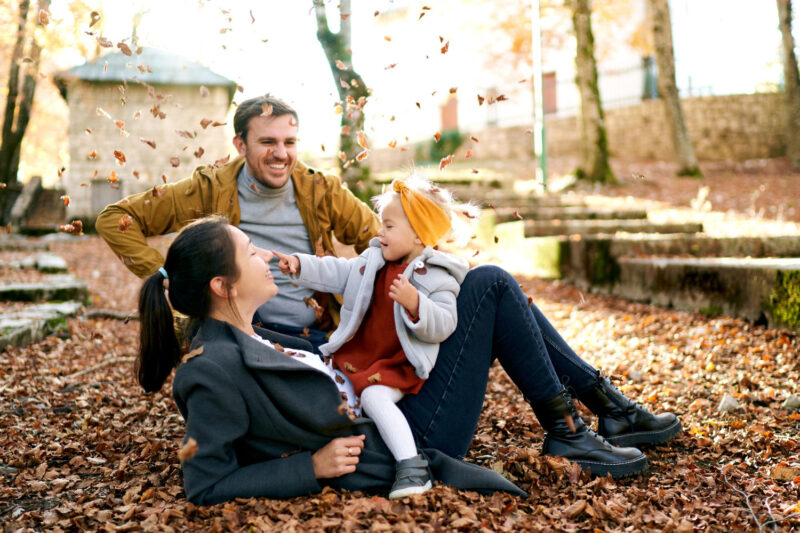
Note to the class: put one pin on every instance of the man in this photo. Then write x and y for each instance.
(278, 202)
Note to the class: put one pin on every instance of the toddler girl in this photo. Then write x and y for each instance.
(399, 303)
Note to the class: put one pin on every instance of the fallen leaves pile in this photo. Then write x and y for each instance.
(83, 448)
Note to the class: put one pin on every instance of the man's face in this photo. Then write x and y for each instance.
(271, 149)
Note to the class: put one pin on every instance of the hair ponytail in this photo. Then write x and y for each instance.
(159, 349)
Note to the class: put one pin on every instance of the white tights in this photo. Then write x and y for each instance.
(378, 402)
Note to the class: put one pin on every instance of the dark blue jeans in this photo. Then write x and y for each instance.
(494, 321)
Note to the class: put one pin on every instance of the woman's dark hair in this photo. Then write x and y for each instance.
(202, 250)
(255, 107)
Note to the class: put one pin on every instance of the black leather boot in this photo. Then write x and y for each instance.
(624, 422)
(582, 445)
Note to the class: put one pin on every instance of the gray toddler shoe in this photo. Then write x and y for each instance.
(412, 477)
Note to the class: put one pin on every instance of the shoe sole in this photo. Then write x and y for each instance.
(617, 470)
(646, 437)
(402, 493)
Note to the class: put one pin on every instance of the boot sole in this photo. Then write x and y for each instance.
(646, 437)
(617, 470)
(408, 491)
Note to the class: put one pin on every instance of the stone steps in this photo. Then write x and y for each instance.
(54, 288)
(764, 290)
(35, 322)
(567, 212)
(541, 228)
(14, 242)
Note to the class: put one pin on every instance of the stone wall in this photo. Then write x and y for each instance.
(737, 127)
(184, 108)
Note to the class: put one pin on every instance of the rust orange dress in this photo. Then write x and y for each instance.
(375, 348)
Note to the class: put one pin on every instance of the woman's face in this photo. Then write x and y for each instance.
(255, 284)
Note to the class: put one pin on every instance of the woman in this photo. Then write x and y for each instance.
(269, 425)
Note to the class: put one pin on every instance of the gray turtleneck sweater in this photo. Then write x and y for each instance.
(272, 221)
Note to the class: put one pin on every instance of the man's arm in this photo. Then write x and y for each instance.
(150, 213)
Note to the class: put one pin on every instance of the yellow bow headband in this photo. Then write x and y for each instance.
(428, 220)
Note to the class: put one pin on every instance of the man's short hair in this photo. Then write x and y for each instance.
(255, 107)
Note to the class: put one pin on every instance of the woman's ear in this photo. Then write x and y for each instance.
(218, 287)
(417, 240)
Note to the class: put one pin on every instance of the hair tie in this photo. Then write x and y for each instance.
(163, 272)
(429, 221)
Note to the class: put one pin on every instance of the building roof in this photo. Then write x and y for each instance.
(167, 69)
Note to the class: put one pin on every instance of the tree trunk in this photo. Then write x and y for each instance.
(18, 106)
(352, 95)
(668, 90)
(594, 164)
(792, 83)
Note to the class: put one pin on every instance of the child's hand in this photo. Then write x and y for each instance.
(289, 264)
(404, 293)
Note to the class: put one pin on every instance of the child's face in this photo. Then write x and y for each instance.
(398, 240)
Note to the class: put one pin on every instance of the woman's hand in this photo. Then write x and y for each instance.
(404, 293)
(338, 457)
(289, 264)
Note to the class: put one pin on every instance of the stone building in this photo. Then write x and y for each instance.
(139, 121)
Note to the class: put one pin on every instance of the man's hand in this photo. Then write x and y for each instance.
(404, 293)
(289, 264)
(338, 457)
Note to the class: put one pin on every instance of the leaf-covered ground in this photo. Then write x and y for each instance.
(82, 448)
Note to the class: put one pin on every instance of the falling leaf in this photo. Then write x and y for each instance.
(393, 143)
(345, 16)
(188, 450)
(468, 154)
(204, 91)
(112, 178)
(337, 110)
(164, 178)
(136, 174)
(374, 378)
(446, 47)
(44, 17)
(88, 131)
(475, 139)
(186, 134)
(362, 155)
(158, 191)
(252, 18)
(120, 157)
(75, 227)
(222, 161)
(124, 48)
(65, 199)
(217, 123)
(390, 66)
(453, 90)
(342, 156)
(350, 368)
(387, 38)
(151, 144)
(362, 140)
(437, 136)
(476, 253)
(137, 115)
(340, 65)
(105, 43)
(496, 240)
(305, 334)
(95, 18)
(102, 113)
(205, 122)
(266, 110)
(517, 215)
(92, 155)
(199, 152)
(322, 146)
(125, 222)
(174, 161)
(445, 161)
(345, 130)
(418, 106)
(480, 100)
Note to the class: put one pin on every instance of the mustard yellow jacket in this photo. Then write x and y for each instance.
(326, 206)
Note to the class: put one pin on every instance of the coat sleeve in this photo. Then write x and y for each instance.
(177, 204)
(353, 221)
(216, 416)
(325, 274)
(438, 313)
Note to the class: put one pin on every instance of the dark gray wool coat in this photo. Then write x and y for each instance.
(257, 415)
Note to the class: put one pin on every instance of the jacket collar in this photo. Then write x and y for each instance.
(254, 354)
(455, 265)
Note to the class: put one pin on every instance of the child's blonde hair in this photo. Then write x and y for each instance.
(461, 215)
